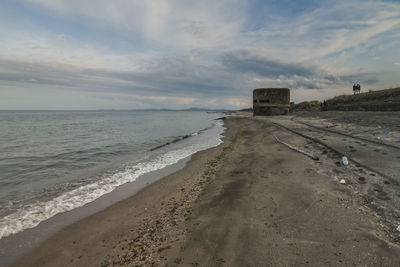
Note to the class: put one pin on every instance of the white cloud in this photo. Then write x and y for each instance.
(327, 30)
(239, 102)
(174, 100)
(183, 24)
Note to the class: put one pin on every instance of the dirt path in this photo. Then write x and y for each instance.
(271, 206)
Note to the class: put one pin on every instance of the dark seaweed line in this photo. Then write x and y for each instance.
(179, 138)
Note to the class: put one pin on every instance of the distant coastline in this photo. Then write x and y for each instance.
(118, 110)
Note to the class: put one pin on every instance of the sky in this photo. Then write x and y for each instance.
(128, 54)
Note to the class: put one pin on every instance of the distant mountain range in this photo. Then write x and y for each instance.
(151, 109)
(166, 109)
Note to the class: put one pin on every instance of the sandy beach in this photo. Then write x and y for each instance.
(252, 201)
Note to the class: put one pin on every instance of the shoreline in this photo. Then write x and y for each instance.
(142, 200)
(79, 169)
(17, 245)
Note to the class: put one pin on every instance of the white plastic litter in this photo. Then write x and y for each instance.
(342, 181)
(345, 161)
(398, 228)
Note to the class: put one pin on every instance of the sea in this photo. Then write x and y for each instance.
(56, 161)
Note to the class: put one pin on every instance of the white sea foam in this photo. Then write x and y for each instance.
(30, 216)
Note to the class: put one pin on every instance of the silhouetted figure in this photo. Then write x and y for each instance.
(324, 107)
(356, 88)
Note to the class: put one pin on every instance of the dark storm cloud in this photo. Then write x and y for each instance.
(292, 75)
(365, 78)
(242, 61)
(155, 82)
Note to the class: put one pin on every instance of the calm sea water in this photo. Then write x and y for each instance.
(52, 162)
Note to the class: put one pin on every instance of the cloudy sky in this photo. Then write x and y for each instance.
(128, 54)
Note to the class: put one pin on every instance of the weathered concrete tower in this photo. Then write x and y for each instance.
(271, 101)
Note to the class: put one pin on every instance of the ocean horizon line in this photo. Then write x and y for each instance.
(91, 110)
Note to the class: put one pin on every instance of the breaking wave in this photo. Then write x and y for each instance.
(32, 214)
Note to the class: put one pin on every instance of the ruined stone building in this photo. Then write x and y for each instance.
(271, 101)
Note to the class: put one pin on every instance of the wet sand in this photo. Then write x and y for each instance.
(249, 202)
